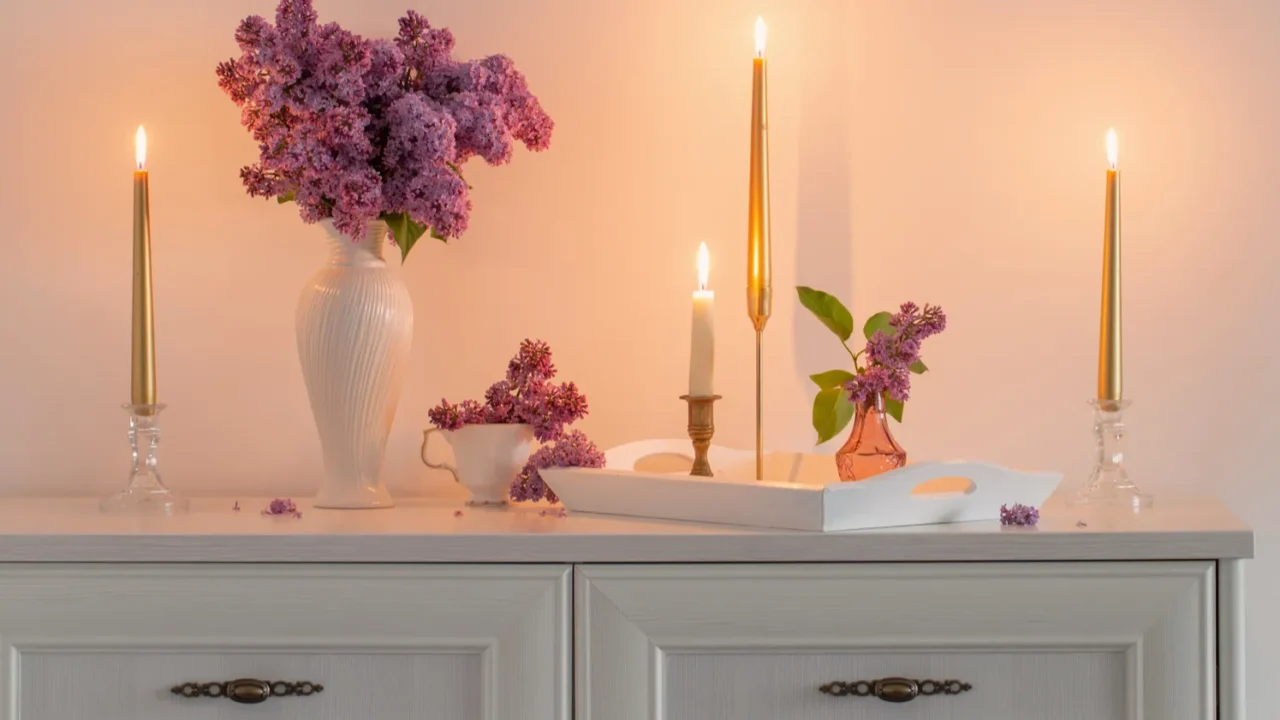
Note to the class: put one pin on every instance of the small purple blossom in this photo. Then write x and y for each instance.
(282, 506)
(532, 364)
(898, 346)
(879, 380)
(357, 129)
(911, 321)
(457, 513)
(446, 415)
(550, 408)
(574, 449)
(1019, 514)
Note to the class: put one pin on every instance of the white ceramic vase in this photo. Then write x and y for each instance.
(355, 326)
(486, 458)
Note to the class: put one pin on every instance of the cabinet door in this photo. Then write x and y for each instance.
(359, 642)
(1050, 641)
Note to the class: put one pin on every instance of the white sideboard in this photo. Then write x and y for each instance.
(432, 610)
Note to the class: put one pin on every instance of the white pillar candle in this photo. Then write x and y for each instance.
(702, 341)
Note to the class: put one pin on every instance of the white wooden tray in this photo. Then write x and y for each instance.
(650, 478)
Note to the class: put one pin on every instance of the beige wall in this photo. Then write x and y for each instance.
(942, 151)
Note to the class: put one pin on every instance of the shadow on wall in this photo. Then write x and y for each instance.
(824, 232)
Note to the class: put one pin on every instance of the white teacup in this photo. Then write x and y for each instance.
(486, 458)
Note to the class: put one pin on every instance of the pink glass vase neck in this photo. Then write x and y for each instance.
(870, 449)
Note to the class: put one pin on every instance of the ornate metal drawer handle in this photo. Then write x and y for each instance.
(895, 689)
(247, 690)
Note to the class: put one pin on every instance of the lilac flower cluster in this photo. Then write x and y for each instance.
(1019, 514)
(877, 380)
(359, 129)
(280, 506)
(573, 449)
(525, 395)
(893, 351)
(528, 395)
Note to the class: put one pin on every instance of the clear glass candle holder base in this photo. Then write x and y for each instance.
(1109, 484)
(146, 494)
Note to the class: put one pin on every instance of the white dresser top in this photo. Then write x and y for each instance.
(421, 530)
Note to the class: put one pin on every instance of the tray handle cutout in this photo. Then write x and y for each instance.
(949, 486)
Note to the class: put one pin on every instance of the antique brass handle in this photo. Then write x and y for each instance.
(895, 689)
(247, 690)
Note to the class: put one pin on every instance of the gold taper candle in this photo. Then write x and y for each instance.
(759, 260)
(143, 386)
(759, 253)
(1110, 354)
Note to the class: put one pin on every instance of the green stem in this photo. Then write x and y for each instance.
(852, 356)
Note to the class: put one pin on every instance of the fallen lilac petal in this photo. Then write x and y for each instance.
(282, 506)
(1019, 514)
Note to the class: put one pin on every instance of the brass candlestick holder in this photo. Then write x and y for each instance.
(702, 427)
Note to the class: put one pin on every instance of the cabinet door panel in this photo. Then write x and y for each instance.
(385, 642)
(1044, 641)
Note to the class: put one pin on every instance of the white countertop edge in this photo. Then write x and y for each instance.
(443, 531)
(1024, 547)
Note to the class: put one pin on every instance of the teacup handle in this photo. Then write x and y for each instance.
(426, 438)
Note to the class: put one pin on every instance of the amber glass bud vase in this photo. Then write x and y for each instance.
(871, 448)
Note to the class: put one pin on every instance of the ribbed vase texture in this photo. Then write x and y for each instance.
(355, 327)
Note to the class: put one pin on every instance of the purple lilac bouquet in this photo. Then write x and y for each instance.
(358, 129)
(528, 395)
(882, 369)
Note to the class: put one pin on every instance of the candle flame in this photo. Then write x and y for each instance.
(140, 148)
(1113, 151)
(761, 31)
(704, 266)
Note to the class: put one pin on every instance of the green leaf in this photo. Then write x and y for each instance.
(875, 323)
(287, 197)
(438, 236)
(829, 310)
(831, 379)
(894, 408)
(832, 411)
(918, 367)
(405, 231)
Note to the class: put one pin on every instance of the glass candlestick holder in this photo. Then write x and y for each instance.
(1109, 483)
(146, 494)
